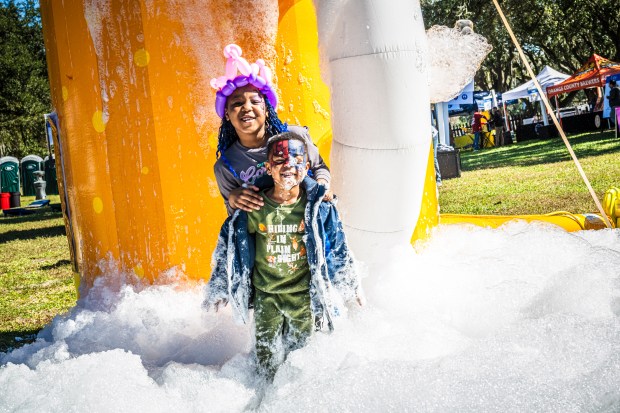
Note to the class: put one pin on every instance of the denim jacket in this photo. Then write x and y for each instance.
(332, 267)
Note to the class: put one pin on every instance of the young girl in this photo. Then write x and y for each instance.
(246, 105)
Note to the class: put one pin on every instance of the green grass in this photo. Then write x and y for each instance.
(36, 281)
(533, 177)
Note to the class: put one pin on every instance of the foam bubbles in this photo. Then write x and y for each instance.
(454, 59)
(522, 318)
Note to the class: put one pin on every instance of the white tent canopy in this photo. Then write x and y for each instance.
(547, 77)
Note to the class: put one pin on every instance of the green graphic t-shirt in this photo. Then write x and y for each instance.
(281, 265)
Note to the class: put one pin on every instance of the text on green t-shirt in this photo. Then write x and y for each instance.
(281, 264)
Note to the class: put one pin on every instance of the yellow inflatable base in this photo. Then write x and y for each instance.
(570, 222)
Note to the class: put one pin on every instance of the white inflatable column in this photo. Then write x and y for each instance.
(377, 69)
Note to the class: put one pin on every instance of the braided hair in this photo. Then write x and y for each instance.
(227, 134)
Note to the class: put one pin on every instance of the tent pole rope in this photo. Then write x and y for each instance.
(543, 96)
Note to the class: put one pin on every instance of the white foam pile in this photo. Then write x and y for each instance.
(524, 318)
(454, 58)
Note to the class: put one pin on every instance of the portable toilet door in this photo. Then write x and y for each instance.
(29, 165)
(49, 166)
(9, 174)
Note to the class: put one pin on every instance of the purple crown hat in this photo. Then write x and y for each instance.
(255, 74)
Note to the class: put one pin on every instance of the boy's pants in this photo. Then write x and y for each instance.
(282, 320)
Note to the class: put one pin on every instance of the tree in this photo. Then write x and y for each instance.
(24, 87)
(558, 33)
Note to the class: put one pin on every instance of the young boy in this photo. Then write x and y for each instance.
(292, 254)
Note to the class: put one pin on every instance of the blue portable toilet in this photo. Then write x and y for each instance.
(9, 174)
(29, 165)
(49, 166)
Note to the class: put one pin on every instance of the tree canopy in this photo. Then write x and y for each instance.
(560, 33)
(24, 87)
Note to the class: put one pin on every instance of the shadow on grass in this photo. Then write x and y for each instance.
(58, 264)
(41, 216)
(26, 234)
(10, 340)
(536, 152)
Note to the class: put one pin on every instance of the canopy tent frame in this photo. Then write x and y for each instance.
(547, 77)
(591, 74)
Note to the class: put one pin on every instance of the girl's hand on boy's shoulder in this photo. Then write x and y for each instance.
(245, 198)
(329, 195)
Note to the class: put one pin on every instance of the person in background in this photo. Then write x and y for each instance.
(592, 96)
(476, 127)
(498, 124)
(614, 100)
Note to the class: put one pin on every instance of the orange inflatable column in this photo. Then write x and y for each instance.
(138, 172)
(72, 69)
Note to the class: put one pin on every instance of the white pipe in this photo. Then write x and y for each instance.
(443, 122)
(377, 69)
